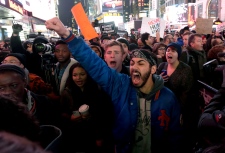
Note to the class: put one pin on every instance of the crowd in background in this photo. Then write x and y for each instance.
(65, 101)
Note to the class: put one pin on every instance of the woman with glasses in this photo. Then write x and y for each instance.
(159, 49)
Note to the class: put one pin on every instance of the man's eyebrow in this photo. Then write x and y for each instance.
(142, 60)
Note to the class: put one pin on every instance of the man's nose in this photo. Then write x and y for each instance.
(112, 54)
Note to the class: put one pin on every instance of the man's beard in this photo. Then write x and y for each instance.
(144, 78)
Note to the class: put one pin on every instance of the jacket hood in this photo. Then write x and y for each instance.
(158, 85)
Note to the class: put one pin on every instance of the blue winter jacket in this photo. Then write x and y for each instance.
(124, 98)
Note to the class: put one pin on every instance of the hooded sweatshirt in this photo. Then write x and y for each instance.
(143, 130)
(165, 109)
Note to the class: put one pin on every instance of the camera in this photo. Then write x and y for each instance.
(43, 48)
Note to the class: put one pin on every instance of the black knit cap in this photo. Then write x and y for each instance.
(12, 68)
(133, 46)
(122, 40)
(20, 57)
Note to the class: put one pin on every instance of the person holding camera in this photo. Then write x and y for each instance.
(34, 61)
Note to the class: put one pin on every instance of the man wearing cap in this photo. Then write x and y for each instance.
(143, 124)
(13, 84)
(125, 45)
(35, 83)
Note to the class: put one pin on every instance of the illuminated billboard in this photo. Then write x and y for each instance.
(43, 9)
(112, 6)
(177, 13)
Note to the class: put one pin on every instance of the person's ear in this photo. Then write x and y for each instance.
(153, 69)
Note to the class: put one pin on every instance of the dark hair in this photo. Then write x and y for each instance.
(144, 37)
(192, 37)
(60, 42)
(157, 46)
(166, 37)
(186, 28)
(181, 32)
(69, 82)
(11, 143)
(16, 118)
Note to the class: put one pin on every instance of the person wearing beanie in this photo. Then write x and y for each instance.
(147, 114)
(33, 59)
(178, 77)
(35, 83)
(125, 45)
(13, 84)
(97, 50)
(17, 59)
(132, 46)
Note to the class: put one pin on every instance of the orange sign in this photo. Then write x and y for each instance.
(82, 20)
(15, 7)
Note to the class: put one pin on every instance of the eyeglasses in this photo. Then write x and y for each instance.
(10, 62)
(162, 48)
(170, 38)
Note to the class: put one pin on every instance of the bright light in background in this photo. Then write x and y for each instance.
(43, 9)
(116, 19)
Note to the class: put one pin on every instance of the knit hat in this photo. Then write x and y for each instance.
(14, 68)
(145, 54)
(132, 46)
(177, 47)
(99, 49)
(122, 40)
(20, 57)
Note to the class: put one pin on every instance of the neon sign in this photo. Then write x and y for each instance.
(15, 7)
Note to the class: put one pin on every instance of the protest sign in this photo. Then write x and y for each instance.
(204, 26)
(153, 25)
(82, 20)
(220, 27)
(107, 27)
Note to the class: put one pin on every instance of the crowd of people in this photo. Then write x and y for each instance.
(111, 94)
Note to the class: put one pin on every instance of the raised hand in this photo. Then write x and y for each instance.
(56, 25)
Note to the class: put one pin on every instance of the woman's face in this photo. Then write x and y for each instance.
(171, 55)
(79, 76)
(161, 51)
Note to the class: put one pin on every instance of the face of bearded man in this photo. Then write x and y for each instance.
(140, 72)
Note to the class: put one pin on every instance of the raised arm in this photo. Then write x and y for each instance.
(107, 78)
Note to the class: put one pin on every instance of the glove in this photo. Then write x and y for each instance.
(17, 28)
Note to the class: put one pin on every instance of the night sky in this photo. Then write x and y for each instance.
(65, 13)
